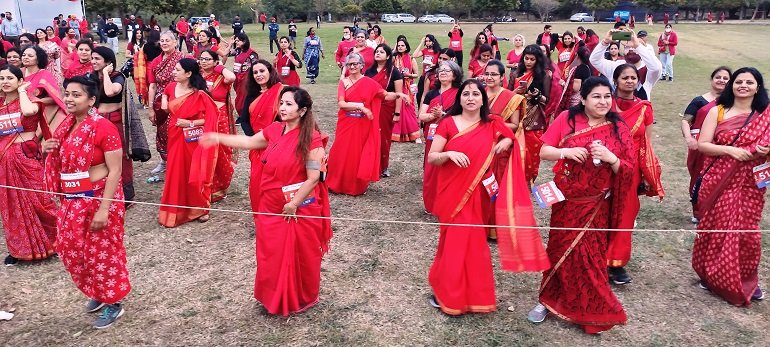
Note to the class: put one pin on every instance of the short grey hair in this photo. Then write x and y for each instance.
(356, 57)
(168, 33)
(456, 70)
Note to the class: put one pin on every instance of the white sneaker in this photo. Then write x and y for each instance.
(161, 168)
(538, 314)
(694, 220)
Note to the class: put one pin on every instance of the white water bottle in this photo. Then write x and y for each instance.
(597, 162)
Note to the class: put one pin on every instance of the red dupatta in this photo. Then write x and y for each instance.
(76, 68)
(367, 90)
(44, 81)
(647, 160)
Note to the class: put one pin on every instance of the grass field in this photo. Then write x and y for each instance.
(193, 284)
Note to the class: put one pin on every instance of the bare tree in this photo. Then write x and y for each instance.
(544, 7)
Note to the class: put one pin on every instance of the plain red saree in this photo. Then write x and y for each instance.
(354, 159)
(262, 112)
(289, 253)
(387, 109)
(226, 156)
(445, 100)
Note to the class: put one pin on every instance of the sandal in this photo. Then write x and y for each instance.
(154, 179)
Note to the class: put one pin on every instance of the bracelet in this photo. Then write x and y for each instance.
(617, 160)
(561, 154)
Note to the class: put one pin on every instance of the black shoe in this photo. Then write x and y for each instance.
(11, 260)
(670, 79)
(618, 275)
(663, 78)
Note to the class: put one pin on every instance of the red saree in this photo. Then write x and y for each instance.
(576, 287)
(461, 274)
(289, 253)
(407, 129)
(694, 157)
(29, 218)
(446, 99)
(242, 69)
(387, 108)
(283, 66)
(638, 115)
(529, 140)
(475, 68)
(226, 156)
(354, 159)
(96, 260)
(728, 263)
(42, 84)
(189, 167)
(262, 112)
(77, 68)
(161, 74)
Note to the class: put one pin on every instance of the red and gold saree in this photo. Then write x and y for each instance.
(445, 100)
(140, 76)
(160, 73)
(226, 156)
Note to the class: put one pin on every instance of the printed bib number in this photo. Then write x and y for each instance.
(285, 71)
(76, 185)
(490, 184)
(192, 134)
(209, 84)
(11, 124)
(431, 131)
(455, 44)
(762, 175)
(428, 59)
(564, 57)
(291, 190)
(413, 89)
(547, 194)
(314, 42)
(237, 67)
(355, 113)
(695, 133)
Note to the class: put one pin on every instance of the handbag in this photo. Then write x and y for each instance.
(699, 179)
(128, 68)
(137, 147)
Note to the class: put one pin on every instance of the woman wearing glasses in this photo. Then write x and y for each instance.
(29, 219)
(354, 159)
(218, 80)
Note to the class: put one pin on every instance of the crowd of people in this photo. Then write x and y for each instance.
(486, 128)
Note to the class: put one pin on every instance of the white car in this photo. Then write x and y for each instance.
(387, 17)
(581, 17)
(403, 18)
(428, 18)
(442, 18)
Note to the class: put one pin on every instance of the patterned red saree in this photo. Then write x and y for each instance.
(694, 157)
(226, 156)
(160, 73)
(407, 129)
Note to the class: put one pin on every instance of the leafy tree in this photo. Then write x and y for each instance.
(594, 5)
(377, 7)
(655, 4)
(544, 7)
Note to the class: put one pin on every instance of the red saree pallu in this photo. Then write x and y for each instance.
(189, 168)
(532, 146)
(283, 66)
(729, 199)
(226, 156)
(161, 70)
(387, 108)
(475, 68)
(262, 111)
(576, 287)
(42, 83)
(461, 274)
(242, 69)
(694, 157)
(445, 100)
(568, 96)
(77, 68)
(354, 159)
(29, 218)
(289, 253)
(96, 260)
(407, 129)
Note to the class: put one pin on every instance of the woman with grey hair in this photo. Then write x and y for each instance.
(354, 159)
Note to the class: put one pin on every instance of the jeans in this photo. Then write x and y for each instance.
(113, 43)
(668, 64)
(277, 46)
(102, 36)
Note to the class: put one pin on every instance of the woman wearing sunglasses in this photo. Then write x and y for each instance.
(29, 219)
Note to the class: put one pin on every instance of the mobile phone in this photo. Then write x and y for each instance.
(621, 36)
(523, 84)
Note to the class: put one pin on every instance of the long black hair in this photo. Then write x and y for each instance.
(457, 107)
(42, 57)
(307, 121)
(538, 71)
(436, 48)
(585, 89)
(108, 55)
(241, 36)
(372, 70)
(253, 91)
(761, 100)
(406, 43)
(196, 80)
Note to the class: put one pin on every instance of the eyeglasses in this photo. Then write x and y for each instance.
(353, 64)
(491, 74)
(444, 70)
(205, 59)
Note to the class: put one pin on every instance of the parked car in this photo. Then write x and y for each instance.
(387, 17)
(505, 18)
(403, 18)
(203, 20)
(581, 17)
(443, 18)
(428, 18)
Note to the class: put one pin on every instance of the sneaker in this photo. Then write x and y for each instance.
(386, 173)
(161, 168)
(703, 286)
(93, 306)
(694, 220)
(110, 314)
(11, 260)
(537, 314)
(618, 275)
(663, 78)
(670, 79)
(433, 302)
(758, 295)
(154, 179)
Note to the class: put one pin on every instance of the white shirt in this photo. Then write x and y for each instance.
(607, 67)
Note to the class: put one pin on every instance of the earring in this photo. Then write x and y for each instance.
(92, 111)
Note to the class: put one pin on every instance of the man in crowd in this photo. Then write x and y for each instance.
(11, 28)
(182, 27)
(273, 28)
(131, 28)
(237, 25)
(101, 28)
(112, 31)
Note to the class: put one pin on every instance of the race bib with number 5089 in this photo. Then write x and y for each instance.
(192, 134)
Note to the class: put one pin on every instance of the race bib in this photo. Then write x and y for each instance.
(285, 71)
(428, 59)
(455, 44)
(413, 88)
(192, 134)
(431, 131)
(354, 113)
(314, 42)
(762, 175)
(291, 190)
(209, 84)
(11, 124)
(547, 194)
(564, 57)
(490, 184)
(695, 133)
(237, 67)
(76, 185)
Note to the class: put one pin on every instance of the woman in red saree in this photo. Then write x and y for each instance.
(736, 138)
(290, 247)
(29, 218)
(286, 63)
(638, 115)
(465, 143)
(260, 110)
(190, 168)
(406, 129)
(565, 50)
(692, 121)
(593, 165)
(82, 64)
(43, 85)
(245, 58)
(83, 161)
(478, 64)
(532, 80)
(430, 60)
(366, 52)
(577, 71)
(354, 159)
(390, 79)
(159, 75)
(135, 51)
(218, 80)
(437, 101)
